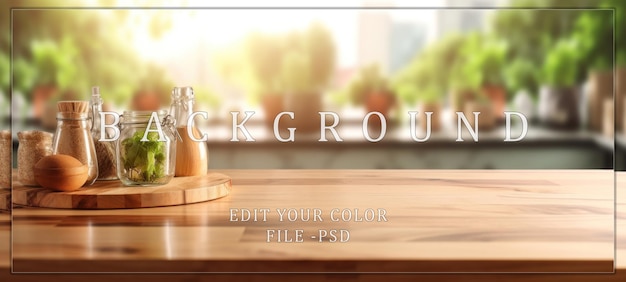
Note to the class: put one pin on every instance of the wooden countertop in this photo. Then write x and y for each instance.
(438, 221)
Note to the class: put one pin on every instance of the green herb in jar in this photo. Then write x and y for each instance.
(144, 161)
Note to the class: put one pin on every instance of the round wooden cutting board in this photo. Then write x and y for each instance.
(112, 195)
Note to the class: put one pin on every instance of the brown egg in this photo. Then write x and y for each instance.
(60, 173)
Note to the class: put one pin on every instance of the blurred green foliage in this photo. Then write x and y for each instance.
(369, 80)
(531, 32)
(295, 73)
(534, 35)
(5, 79)
(594, 32)
(153, 79)
(521, 74)
(427, 77)
(481, 63)
(206, 97)
(560, 67)
(489, 60)
(457, 62)
(597, 54)
(320, 49)
(418, 84)
(24, 75)
(72, 50)
(298, 62)
(264, 53)
(55, 65)
(524, 48)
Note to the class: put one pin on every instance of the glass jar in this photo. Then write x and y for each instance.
(33, 145)
(6, 148)
(146, 158)
(73, 136)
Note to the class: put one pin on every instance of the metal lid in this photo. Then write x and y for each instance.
(130, 116)
(182, 92)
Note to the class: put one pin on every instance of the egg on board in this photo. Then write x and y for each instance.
(60, 173)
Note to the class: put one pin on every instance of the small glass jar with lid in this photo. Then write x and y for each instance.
(33, 145)
(146, 148)
(6, 148)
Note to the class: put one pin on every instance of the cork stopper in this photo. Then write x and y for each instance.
(73, 110)
(73, 106)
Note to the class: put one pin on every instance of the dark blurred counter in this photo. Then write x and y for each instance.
(541, 149)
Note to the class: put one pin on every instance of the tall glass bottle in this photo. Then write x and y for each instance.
(192, 157)
(105, 150)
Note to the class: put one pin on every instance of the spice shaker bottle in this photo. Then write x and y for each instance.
(73, 137)
(192, 157)
(6, 147)
(33, 145)
(105, 150)
(149, 161)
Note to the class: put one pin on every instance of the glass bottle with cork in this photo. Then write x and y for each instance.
(192, 157)
(105, 151)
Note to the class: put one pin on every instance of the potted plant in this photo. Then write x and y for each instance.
(483, 105)
(301, 97)
(489, 60)
(56, 71)
(428, 99)
(594, 33)
(371, 89)
(466, 83)
(521, 79)
(48, 59)
(153, 90)
(558, 98)
(306, 69)
(441, 57)
(422, 83)
(264, 53)
(470, 98)
(595, 29)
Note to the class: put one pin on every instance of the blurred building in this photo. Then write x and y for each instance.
(475, 17)
(388, 43)
(374, 29)
(406, 40)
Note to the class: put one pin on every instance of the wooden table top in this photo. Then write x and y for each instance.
(437, 221)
